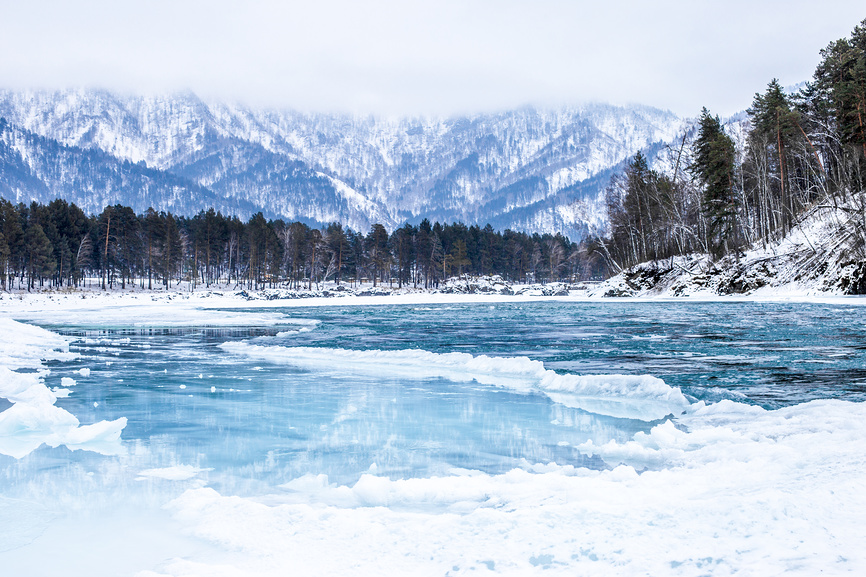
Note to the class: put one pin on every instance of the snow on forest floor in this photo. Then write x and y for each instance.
(183, 305)
(822, 255)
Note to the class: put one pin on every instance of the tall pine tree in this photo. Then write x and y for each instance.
(713, 165)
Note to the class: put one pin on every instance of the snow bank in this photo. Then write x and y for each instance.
(819, 257)
(735, 489)
(33, 418)
(632, 397)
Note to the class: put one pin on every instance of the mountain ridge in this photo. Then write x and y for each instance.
(358, 170)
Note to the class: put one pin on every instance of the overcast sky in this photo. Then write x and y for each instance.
(424, 57)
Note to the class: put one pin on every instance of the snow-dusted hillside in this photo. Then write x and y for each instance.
(526, 169)
(41, 169)
(825, 253)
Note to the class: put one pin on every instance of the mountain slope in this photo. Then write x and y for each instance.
(359, 170)
(33, 167)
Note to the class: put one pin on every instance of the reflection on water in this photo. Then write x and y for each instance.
(257, 425)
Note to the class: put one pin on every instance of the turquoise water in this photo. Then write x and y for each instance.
(258, 424)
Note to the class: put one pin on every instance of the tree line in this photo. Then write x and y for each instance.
(801, 150)
(57, 245)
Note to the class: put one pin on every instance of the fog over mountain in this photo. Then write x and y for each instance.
(526, 169)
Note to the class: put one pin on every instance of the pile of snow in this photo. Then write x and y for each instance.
(467, 284)
(624, 396)
(494, 284)
(33, 418)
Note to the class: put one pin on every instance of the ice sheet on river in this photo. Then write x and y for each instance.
(33, 418)
(742, 491)
(154, 315)
(625, 396)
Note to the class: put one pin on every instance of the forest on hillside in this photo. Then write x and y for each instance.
(58, 245)
(801, 150)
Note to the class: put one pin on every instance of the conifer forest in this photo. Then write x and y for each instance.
(801, 150)
(58, 245)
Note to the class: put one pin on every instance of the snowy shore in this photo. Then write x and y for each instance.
(190, 306)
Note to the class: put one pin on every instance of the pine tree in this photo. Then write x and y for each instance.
(402, 245)
(714, 163)
(338, 245)
(377, 247)
(172, 248)
(40, 255)
(4, 261)
(13, 235)
(840, 90)
(458, 256)
(424, 247)
(774, 119)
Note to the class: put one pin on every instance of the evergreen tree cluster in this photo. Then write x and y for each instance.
(57, 245)
(800, 150)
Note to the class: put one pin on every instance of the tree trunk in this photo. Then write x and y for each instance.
(105, 256)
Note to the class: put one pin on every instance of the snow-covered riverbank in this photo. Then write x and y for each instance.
(183, 306)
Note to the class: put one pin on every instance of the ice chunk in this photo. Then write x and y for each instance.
(33, 418)
(24, 427)
(101, 437)
(626, 396)
(175, 473)
(24, 346)
(24, 388)
(118, 313)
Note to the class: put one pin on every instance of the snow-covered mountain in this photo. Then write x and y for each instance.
(527, 169)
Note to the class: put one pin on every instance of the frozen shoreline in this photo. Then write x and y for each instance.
(104, 304)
